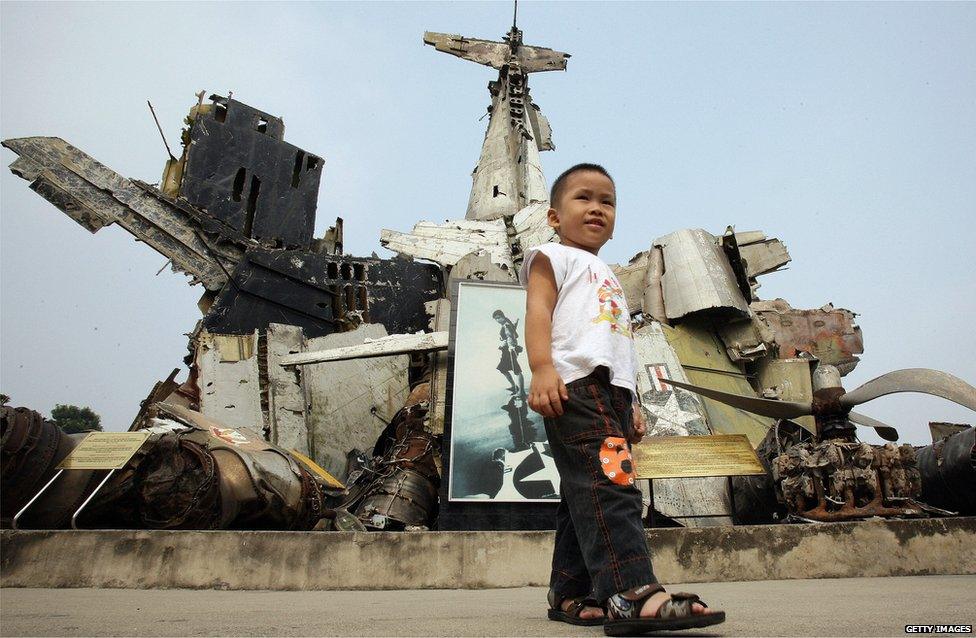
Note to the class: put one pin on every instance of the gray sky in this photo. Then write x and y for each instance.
(846, 130)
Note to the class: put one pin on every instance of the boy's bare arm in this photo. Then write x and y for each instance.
(547, 391)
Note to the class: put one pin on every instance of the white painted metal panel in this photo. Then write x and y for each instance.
(227, 373)
(287, 403)
(376, 347)
(344, 394)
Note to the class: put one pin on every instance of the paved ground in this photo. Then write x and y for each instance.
(829, 607)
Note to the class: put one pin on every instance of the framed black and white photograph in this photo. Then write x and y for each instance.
(499, 451)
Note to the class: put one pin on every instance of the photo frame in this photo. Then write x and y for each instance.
(498, 446)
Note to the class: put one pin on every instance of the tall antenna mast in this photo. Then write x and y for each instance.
(515, 16)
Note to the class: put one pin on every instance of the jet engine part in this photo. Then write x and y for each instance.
(195, 473)
(32, 447)
(948, 472)
(837, 480)
(400, 499)
(402, 488)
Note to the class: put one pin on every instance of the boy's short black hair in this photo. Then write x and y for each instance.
(557, 186)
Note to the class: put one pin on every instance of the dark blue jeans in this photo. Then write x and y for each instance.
(601, 545)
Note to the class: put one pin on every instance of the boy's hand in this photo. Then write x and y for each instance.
(640, 424)
(547, 392)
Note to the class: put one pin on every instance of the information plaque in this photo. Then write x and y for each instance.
(659, 457)
(104, 451)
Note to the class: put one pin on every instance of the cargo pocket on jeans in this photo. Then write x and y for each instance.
(616, 462)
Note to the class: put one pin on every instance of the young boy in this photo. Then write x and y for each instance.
(583, 362)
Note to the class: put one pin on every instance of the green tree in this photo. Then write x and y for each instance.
(4, 399)
(72, 419)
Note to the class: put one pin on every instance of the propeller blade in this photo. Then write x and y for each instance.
(886, 432)
(934, 382)
(763, 407)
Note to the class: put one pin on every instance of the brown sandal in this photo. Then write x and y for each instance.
(623, 613)
(572, 615)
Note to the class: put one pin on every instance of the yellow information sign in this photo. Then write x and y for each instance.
(104, 451)
(318, 470)
(695, 456)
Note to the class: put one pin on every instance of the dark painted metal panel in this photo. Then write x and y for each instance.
(317, 291)
(241, 171)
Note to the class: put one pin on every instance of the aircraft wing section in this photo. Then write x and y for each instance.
(487, 52)
(496, 54)
(535, 59)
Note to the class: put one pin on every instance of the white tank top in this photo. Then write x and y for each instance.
(591, 322)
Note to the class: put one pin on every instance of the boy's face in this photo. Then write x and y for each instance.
(585, 213)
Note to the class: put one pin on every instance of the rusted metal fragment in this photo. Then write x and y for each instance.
(697, 276)
(285, 401)
(239, 169)
(228, 377)
(497, 54)
(446, 243)
(827, 333)
(380, 347)
(837, 480)
(96, 196)
(633, 280)
(323, 293)
(51, 189)
(351, 401)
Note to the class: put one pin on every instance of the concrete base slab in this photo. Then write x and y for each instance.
(453, 560)
(825, 607)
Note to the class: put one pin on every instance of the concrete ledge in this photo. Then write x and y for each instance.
(450, 560)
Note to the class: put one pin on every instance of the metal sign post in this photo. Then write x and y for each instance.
(98, 451)
(36, 496)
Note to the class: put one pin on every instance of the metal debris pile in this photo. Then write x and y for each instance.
(305, 356)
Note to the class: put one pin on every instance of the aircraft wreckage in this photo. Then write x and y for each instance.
(322, 388)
